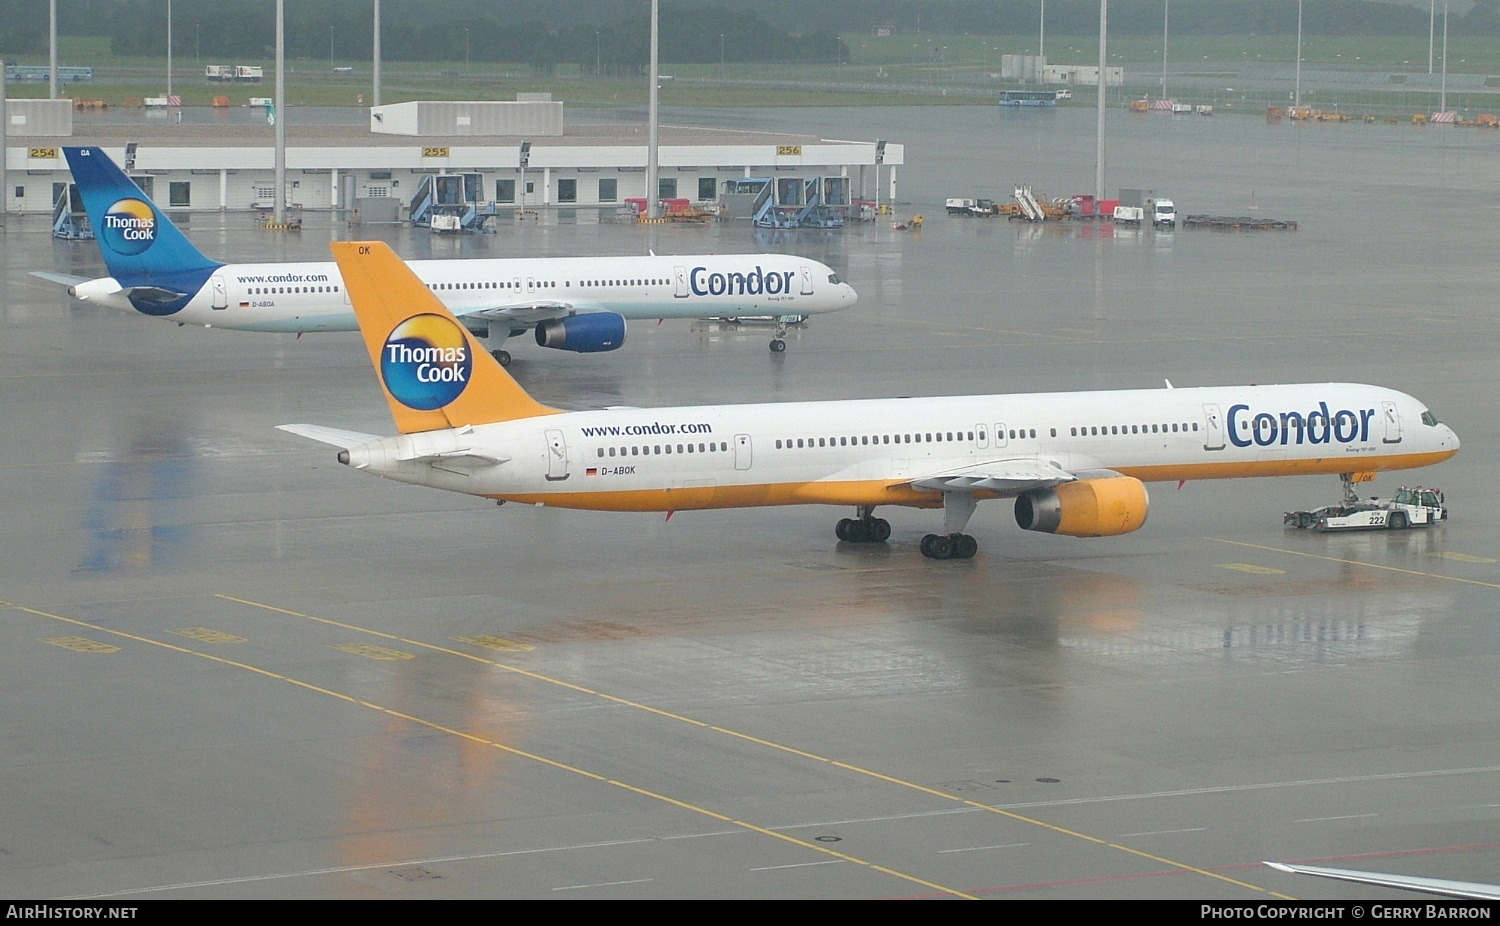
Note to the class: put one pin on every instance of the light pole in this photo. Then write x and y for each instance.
(375, 56)
(52, 51)
(1041, 36)
(1443, 96)
(169, 48)
(1099, 131)
(1297, 92)
(721, 56)
(1166, 7)
(653, 193)
(279, 214)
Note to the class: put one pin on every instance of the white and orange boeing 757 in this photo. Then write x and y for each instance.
(1074, 462)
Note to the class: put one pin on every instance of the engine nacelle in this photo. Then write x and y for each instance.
(1085, 508)
(586, 334)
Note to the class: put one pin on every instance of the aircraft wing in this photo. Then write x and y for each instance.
(62, 279)
(1469, 890)
(522, 314)
(1007, 477)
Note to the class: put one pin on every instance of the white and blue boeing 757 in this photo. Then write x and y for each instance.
(572, 303)
(1075, 463)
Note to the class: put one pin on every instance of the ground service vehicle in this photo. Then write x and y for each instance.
(1412, 507)
(1129, 215)
(1163, 212)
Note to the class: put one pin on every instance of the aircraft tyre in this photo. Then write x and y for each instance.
(777, 345)
(863, 530)
(1397, 521)
(944, 546)
(503, 356)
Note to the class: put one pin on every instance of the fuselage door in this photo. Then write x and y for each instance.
(1392, 417)
(1000, 438)
(680, 281)
(742, 451)
(221, 293)
(1213, 428)
(807, 281)
(531, 284)
(557, 456)
(981, 435)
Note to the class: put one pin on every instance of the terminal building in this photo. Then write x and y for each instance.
(511, 155)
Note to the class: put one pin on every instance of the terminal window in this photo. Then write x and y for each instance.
(666, 188)
(708, 188)
(180, 193)
(609, 191)
(505, 191)
(567, 191)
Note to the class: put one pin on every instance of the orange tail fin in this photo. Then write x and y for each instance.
(433, 372)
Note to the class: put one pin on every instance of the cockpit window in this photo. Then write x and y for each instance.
(1429, 419)
(833, 278)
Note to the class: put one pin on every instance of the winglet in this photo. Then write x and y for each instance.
(433, 372)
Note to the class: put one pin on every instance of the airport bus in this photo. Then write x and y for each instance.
(33, 73)
(1029, 98)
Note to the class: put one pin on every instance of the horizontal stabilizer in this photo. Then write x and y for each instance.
(1007, 477)
(338, 437)
(62, 279)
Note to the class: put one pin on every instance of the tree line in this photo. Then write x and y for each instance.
(613, 35)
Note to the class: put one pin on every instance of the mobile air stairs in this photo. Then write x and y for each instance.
(68, 218)
(451, 203)
(1031, 210)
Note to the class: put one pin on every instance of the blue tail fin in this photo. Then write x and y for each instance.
(143, 250)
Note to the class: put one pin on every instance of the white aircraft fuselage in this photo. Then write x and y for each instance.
(909, 451)
(298, 297)
(1076, 463)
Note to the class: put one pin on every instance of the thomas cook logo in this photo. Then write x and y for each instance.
(129, 227)
(425, 362)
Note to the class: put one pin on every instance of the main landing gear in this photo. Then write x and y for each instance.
(494, 341)
(953, 543)
(864, 529)
(949, 546)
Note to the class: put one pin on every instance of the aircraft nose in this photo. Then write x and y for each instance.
(850, 296)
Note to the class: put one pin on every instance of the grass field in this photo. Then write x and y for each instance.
(903, 69)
